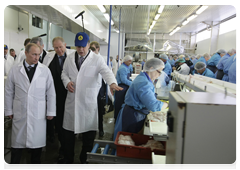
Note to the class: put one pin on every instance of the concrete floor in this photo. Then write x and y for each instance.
(50, 152)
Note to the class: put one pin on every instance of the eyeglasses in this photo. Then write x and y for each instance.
(159, 72)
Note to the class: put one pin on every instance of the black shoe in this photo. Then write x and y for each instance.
(84, 166)
(101, 133)
(63, 163)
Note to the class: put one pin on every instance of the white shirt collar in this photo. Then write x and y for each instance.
(27, 65)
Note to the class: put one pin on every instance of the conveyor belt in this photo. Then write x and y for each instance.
(111, 158)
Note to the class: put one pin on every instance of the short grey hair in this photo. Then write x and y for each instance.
(28, 47)
(111, 57)
(206, 55)
(35, 40)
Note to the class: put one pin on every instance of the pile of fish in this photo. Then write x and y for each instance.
(157, 116)
(127, 140)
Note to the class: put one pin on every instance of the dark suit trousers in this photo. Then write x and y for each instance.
(16, 154)
(87, 145)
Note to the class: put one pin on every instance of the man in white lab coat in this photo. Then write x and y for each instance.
(55, 60)
(8, 61)
(29, 100)
(81, 76)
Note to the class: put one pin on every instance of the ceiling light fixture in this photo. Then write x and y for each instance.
(157, 16)
(107, 17)
(201, 9)
(185, 22)
(161, 8)
(192, 17)
(102, 9)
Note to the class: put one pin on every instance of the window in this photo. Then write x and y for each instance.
(203, 35)
(228, 26)
(36, 21)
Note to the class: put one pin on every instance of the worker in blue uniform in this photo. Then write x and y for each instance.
(140, 99)
(213, 61)
(232, 72)
(143, 62)
(219, 74)
(167, 69)
(131, 69)
(123, 80)
(202, 70)
(226, 67)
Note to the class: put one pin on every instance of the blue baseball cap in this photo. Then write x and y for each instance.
(81, 39)
(5, 47)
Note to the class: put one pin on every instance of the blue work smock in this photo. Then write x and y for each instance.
(130, 68)
(167, 69)
(232, 72)
(202, 59)
(122, 75)
(213, 61)
(222, 61)
(208, 73)
(226, 67)
(139, 100)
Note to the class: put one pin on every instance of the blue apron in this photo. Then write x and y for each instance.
(212, 68)
(119, 98)
(130, 120)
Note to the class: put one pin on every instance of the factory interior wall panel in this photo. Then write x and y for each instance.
(89, 19)
(55, 31)
(35, 31)
(150, 55)
(203, 47)
(227, 40)
(12, 37)
(68, 37)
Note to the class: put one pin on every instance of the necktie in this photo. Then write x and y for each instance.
(80, 61)
(29, 68)
(62, 58)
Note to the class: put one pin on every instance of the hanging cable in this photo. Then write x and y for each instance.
(109, 38)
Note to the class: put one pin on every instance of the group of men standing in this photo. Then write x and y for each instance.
(63, 84)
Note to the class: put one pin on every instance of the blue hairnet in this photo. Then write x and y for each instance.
(163, 56)
(200, 65)
(153, 64)
(221, 51)
(127, 57)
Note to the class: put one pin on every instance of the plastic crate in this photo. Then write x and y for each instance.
(137, 151)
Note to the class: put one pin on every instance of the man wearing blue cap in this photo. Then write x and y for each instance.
(81, 77)
(8, 61)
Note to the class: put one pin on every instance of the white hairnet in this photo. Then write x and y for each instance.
(163, 56)
(200, 65)
(198, 56)
(221, 51)
(153, 64)
(206, 55)
(127, 57)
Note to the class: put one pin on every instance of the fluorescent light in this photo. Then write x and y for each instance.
(192, 17)
(168, 47)
(154, 22)
(161, 8)
(157, 16)
(200, 10)
(185, 22)
(102, 9)
(151, 26)
(107, 17)
(99, 30)
(117, 31)
(171, 33)
(178, 28)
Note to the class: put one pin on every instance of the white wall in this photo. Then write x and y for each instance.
(12, 37)
(203, 46)
(227, 41)
(68, 37)
(35, 31)
(114, 46)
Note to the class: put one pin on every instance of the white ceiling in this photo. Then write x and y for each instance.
(135, 20)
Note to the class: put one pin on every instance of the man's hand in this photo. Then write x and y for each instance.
(174, 68)
(49, 117)
(11, 116)
(70, 86)
(115, 87)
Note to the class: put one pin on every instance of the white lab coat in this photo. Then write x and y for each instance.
(8, 63)
(81, 111)
(183, 69)
(27, 103)
(50, 55)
